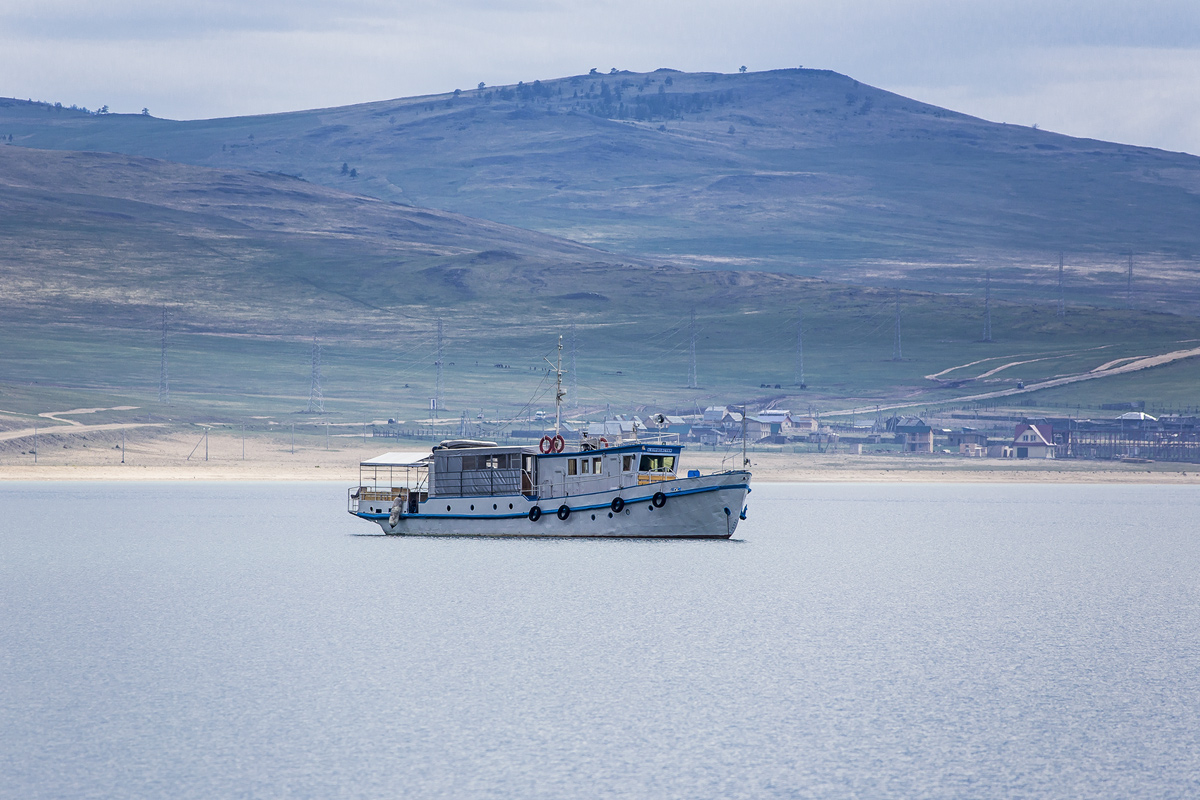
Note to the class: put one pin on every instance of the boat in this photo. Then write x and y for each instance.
(632, 489)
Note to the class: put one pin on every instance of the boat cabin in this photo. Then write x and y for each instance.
(487, 470)
(482, 471)
(601, 470)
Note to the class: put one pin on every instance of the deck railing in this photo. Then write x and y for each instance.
(381, 497)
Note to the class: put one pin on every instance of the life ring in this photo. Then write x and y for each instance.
(617, 505)
(603, 442)
(564, 511)
(535, 514)
(558, 443)
(659, 500)
(546, 445)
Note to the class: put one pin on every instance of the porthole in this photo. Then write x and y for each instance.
(494, 506)
(593, 516)
(472, 508)
(510, 506)
(610, 515)
(447, 508)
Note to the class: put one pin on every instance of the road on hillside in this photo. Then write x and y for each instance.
(1136, 365)
(77, 428)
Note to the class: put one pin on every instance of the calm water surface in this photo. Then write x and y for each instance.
(858, 641)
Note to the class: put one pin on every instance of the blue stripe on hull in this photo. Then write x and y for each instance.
(548, 510)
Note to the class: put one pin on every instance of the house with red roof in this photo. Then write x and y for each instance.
(1033, 440)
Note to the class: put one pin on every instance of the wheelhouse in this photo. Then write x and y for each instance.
(601, 470)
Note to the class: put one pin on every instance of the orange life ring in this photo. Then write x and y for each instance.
(546, 445)
(603, 442)
(559, 443)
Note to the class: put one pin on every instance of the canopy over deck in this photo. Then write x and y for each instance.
(412, 458)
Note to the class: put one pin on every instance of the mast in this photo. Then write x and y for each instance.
(558, 391)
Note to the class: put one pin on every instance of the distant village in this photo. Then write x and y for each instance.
(1130, 436)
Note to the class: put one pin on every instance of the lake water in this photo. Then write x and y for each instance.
(857, 641)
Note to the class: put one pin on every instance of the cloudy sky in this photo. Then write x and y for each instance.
(1111, 69)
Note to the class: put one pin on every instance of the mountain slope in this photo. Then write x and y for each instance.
(253, 265)
(793, 170)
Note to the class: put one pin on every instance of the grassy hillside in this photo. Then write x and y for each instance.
(800, 171)
(253, 265)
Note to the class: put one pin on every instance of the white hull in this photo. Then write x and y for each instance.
(707, 507)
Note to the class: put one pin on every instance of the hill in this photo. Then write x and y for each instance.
(253, 265)
(801, 171)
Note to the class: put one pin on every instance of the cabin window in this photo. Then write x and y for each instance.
(657, 464)
(468, 462)
(596, 465)
(627, 464)
(572, 466)
(585, 466)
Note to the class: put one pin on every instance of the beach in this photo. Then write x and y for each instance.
(176, 456)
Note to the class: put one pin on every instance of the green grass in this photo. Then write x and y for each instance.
(253, 266)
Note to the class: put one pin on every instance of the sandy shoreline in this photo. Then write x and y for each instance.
(166, 458)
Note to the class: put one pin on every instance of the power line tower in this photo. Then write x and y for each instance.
(799, 372)
(1129, 283)
(316, 398)
(437, 392)
(897, 352)
(574, 374)
(164, 385)
(987, 306)
(693, 380)
(1062, 303)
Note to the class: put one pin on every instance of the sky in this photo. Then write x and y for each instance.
(1117, 70)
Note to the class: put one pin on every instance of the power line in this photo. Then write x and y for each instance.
(1062, 305)
(316, 398)
(437, 394)
(574, 374)
(987, 306)
(693, 380)
(164, 386)
(897, 352)
(1129, 284)
(799, 376)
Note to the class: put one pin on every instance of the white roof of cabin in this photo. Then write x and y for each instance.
(413, 458)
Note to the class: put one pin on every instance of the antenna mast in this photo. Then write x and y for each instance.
(316, 399)
(164, 387)
(558, 390)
